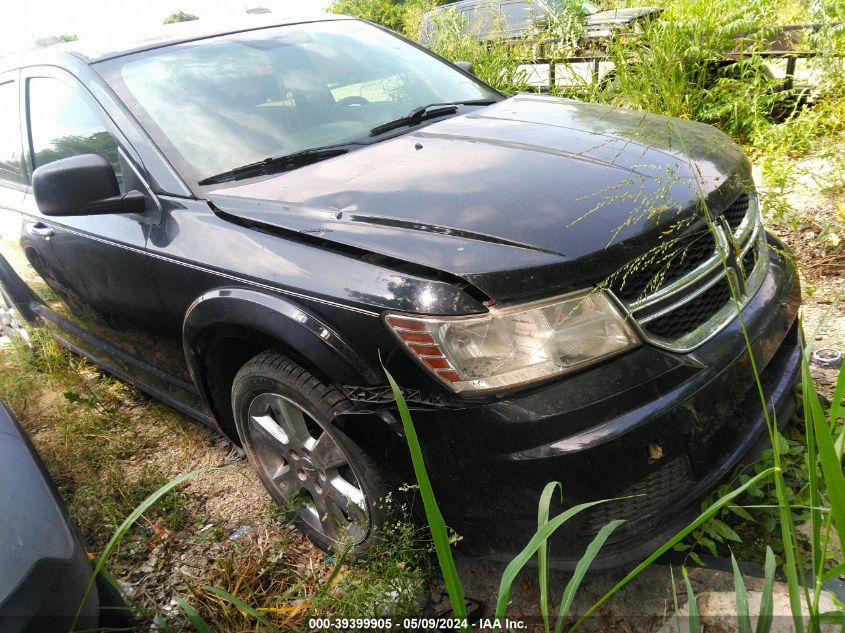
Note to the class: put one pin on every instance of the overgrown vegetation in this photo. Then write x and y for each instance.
(700, 61)
(385, 12)
(677, 66)
(95, 434)
(674, 67)
(748, 528)
(818, 504)
(86, 436)
(390, 580)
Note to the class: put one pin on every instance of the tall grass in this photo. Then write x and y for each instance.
(124, 528)
(436, 524)
(537, 545)
(676, 67)
(825, 443)
(87, 435)
(764, 614)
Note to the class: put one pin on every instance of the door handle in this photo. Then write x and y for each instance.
(39, 229)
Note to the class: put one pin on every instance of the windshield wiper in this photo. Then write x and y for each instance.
(275, 164)
(420, 114)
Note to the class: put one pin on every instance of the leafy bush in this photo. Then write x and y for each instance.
(496, 62)
(678, 67)
(179, 16)
(384, 12)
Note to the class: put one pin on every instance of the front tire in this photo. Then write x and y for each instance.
(285, 419)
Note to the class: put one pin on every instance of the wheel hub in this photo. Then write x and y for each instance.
(306, 466)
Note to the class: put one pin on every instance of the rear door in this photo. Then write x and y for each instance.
(23, 252)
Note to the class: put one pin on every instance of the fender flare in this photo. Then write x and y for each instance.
(277, 319)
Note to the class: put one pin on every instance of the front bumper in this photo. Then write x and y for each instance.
(662, 426)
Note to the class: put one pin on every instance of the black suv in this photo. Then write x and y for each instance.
(248, 221)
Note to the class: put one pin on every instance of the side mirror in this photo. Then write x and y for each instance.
(466, 67)
(82, 185)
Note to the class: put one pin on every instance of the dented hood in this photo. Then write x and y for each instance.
(522, 197)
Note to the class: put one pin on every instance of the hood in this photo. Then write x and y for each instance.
(523, 197)
(616, 17)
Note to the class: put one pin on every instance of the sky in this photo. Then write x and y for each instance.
(24, 22)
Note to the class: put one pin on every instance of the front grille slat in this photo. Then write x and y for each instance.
(692, 314)
(736, 213)
(678, 258)
(749, 261)
(689, 263)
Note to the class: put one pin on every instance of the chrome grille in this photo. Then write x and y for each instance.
(737, 212)
(675, 259)
(680, 296)
(692, 314)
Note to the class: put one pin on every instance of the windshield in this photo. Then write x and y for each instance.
(219, 103)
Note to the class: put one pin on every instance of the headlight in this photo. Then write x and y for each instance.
(517, 344)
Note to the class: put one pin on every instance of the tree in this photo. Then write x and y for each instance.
(180, 16)
(403, 16)
(68, 37)
(384, 12)
(100, 143)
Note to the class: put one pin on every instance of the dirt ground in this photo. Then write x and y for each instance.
(227, 509)
(816, 235)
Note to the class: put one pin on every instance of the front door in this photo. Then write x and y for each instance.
(100, 297)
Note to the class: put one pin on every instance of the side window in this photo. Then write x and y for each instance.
(518, 15)
(483, 19)
(11, 165)
(63, 124)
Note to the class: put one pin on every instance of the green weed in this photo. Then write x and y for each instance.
(79, 420)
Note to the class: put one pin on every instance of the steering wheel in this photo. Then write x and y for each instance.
(352, 100)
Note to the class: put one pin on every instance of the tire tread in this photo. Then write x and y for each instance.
(272, 362)
(270, 370)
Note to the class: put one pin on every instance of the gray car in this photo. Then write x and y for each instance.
(44, 568)
(491, 19)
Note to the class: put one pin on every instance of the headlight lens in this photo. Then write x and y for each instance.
(517, 344)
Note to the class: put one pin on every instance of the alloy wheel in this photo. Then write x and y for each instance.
(306, 467)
